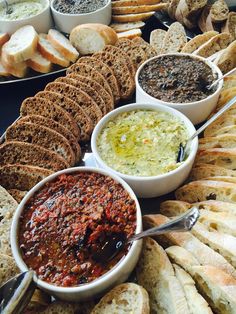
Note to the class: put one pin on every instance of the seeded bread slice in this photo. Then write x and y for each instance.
(230, 25)
(204, 170)
(22, 177)
(147, 48)
(46, 108)
(122, 27)
(17, 194)
(222, 157)
(175, 39)
(79, 115)
(106, 72)
(157, 39)
(30, 154)
(42, 136)
(198, 41)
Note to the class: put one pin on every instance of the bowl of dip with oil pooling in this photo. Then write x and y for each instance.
(140, 143)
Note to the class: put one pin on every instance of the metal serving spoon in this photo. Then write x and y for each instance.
(8, 10)
(184, 150)
(219, 79)
(112, 246)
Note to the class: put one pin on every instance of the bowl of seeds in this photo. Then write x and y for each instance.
(67, 14)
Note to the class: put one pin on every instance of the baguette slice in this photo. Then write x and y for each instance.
(175, 39)
(15, 69)
(50, 53)
(219, 11)
(130, 34)
(227, 60)
(127, 297)
(204, 170)
(157, 38)
(155, 273)
(222, 157)
(198, 41)
(63, 45)
(126, 3)
(123, 27)
(22, 45)
(127, 18)
(196, 303)
(138, 9)
(38, 63)
(230, 25)
(220, 141)
(4, 37)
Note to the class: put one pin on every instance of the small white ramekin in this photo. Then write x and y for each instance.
(197, 111)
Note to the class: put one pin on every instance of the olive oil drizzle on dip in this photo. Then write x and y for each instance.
(142, 142)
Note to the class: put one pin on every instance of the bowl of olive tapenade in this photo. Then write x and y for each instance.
(67, 14)
(61, 225)
(179, 81)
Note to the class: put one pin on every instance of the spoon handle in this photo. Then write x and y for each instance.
(213, 118)
(184, 222)
(222, 77)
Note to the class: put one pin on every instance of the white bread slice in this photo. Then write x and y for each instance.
(138, 9)
(123, 27)
(126, 18)
(196, 303)
(220, 141)
(216, 43)
(222, 157)
(63, 45)
(223, 243)
(16, 69)
(155, 273)
(4, 37)
(230, 25)
(130, 34)
(175, 39)
(125, 298)
(197, 41)
(219, 11)
(157, 37)
(3, 71)
(91, 38)
(21, 45)
(201, 252)
(50, 53)
(127, 3)
(226, 61)
(38, 63)
(204, 170)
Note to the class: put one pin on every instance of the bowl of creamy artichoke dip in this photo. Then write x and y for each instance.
(140, 143)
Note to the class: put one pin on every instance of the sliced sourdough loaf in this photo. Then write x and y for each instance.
(106, 72)
(138, 8)
(221, 157)
(38, 63)
(146, 47)
(204, 190)
(157, 38)
(8, 268)
(204, 170)
(52, 124)
(79, 115)
(136, 17)
(175, 39)
(227, 60)
(18, 195)
(127, 297)
(63, 45)
(198, 41)
(220, 141)
(77, 95)
(22, 177)
(46, 108)
(219, 11)
(156, 274)
(30, 154)
(42, 136)
(87, 70)
(230, 25)
(123, 27)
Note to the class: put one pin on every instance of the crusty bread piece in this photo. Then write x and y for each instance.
(196, 303)
(3, 71)
(155, 273)
(229, 26)
(198, 41)
(222, 157)
(29, 154)
(42, 136)
(175, 39)
(219, 11)
(8, 268)
(38, 63)
(145, 46)
(126, 3)
(173, 4)
(227, 60)
(22, 177)
(106, 72)
(173, 208)
(59, 307)
(123, 27)
(136, 32)
(205, 21)
(21, 45)
(16, 69)
(229, 82)
(4, 37)
(46, 108)
(50, 53)
(226, 119)
(231, 129)
(63, 45)
(220, 141)
(126, 18)
(202, 253)
(226, 95)
(138, 9)
(157, 37)
(204, 170)
(213, 45)
(17, 194)
(91, 38)
(203, 190)
(79, 115)
(125, 298)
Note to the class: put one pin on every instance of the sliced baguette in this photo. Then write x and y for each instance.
(227, 60)
(39, 64)
(198, 41)
(175, 39)
(15, 69)
(157, 37)
(63, 45)
(138, 9)
(50, 53)
(220, 141)
(126, 3)
(4, 37)
(230, 25)
(204, 170)
(126, 18)
(127, 297)
(222, 157)
(130, 34)
(123, 27)
(219, 11)
(155, 273)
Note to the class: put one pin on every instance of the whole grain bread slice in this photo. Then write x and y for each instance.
(175, 39)
(147, 48)
(157, 37)
(18, 195)
(42, 136)
(105, 71)
(204, 170)
(30, 154)
(198, 41)
(46, 108)
(79, 115)
(22, 177)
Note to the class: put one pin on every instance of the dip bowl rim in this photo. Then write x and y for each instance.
(215, 70)
(136, 106)
(100, 281)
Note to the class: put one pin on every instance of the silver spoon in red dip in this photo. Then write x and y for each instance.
(117, 241)
(184, 150)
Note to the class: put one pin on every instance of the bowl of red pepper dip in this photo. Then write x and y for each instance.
(61, 224)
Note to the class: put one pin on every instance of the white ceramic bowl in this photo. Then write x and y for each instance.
(156, 185)
(119, 273)
(197, 111)
(65, 22)
(42, 21)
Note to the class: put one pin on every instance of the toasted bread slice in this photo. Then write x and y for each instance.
(130, 34)
(63, 45)
(123, 27)
(175, 39)
(229, 26)
(17, 194)
(227, 60)
(31, 154)
(138, 9)
(222, 157)
(157, 38)
(204, 170)
(126, 18)
(4, 37)
(198, 41)
(38, 63)
(219, 11)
